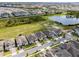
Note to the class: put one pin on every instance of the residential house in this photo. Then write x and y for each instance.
(20, 13)
(31, 38)
(77, 30)
(58, 52)
(8, 44)
(21, 40)
(40, 35)
(1, 48)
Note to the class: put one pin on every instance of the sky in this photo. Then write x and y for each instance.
(39, 0)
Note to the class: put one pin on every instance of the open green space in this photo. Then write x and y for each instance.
(11, 32)
(11, 27)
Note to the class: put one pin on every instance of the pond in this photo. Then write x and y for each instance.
(64, 20)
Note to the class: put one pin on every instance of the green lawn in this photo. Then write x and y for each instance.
(11, 32)
(43, 41)
(27, 47)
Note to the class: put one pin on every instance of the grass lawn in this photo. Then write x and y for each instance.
(12, 32)
(43, 41)
(7, 53)
(27, 47)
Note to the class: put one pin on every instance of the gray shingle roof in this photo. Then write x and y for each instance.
(31, 38)
(9, 44)
(40, 35)
(21, 40)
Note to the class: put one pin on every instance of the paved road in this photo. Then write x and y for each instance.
(39, 48)
(22, 54)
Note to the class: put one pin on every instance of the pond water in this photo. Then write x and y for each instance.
(64, 20)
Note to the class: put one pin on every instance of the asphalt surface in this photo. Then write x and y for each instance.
(22, 54)
(39, 48)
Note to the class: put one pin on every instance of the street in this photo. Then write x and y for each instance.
(22, 54)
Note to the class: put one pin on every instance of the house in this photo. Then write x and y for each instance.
(76, 44)
(21, 40)
(20, 13)
(58, 52)
(48, 54)
(31, 38)
(63, 53)
(63, 46)
(1, 48)
(1, 45)
(68, 36)
(47, 33)
(8, 44)
(57, 31)
(5, 15)
(77, 30)
(74, 51)
(72, 47)
(40, 35)
(60, 40)
(53, 34)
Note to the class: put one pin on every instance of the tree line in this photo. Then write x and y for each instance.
(73, 13)
(9, 22)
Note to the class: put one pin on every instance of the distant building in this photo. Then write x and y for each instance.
(20, 13)
(4, 15)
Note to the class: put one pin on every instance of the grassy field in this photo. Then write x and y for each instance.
(11, 32)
